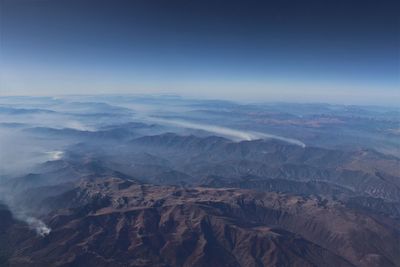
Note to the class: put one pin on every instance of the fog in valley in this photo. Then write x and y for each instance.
(73, 152)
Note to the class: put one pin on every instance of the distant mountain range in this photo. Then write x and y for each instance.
(87, 183)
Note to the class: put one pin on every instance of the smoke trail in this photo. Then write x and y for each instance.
(8, 198)
(54, 155)
(39, 226)
(228, 132)
(281, 138)
(33, 223)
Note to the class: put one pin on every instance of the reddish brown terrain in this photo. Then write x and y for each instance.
(125, 181)
(116, 222)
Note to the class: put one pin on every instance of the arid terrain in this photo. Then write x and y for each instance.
(104, 184)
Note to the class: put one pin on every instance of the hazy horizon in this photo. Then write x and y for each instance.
(202, 133)
(344, 52)
(392, 104)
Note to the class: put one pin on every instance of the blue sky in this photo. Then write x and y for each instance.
(308, 51)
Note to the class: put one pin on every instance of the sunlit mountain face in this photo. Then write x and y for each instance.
(170, 181)
(199, 133)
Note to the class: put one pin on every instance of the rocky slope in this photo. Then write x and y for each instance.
(117, 222)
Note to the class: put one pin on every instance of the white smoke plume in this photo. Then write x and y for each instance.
(21, 213)
(76, 125)
(55, 155)
(39, 226)
(33, 223)
(228, 132)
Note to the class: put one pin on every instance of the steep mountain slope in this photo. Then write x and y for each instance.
(116, 222)
(365, 172)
